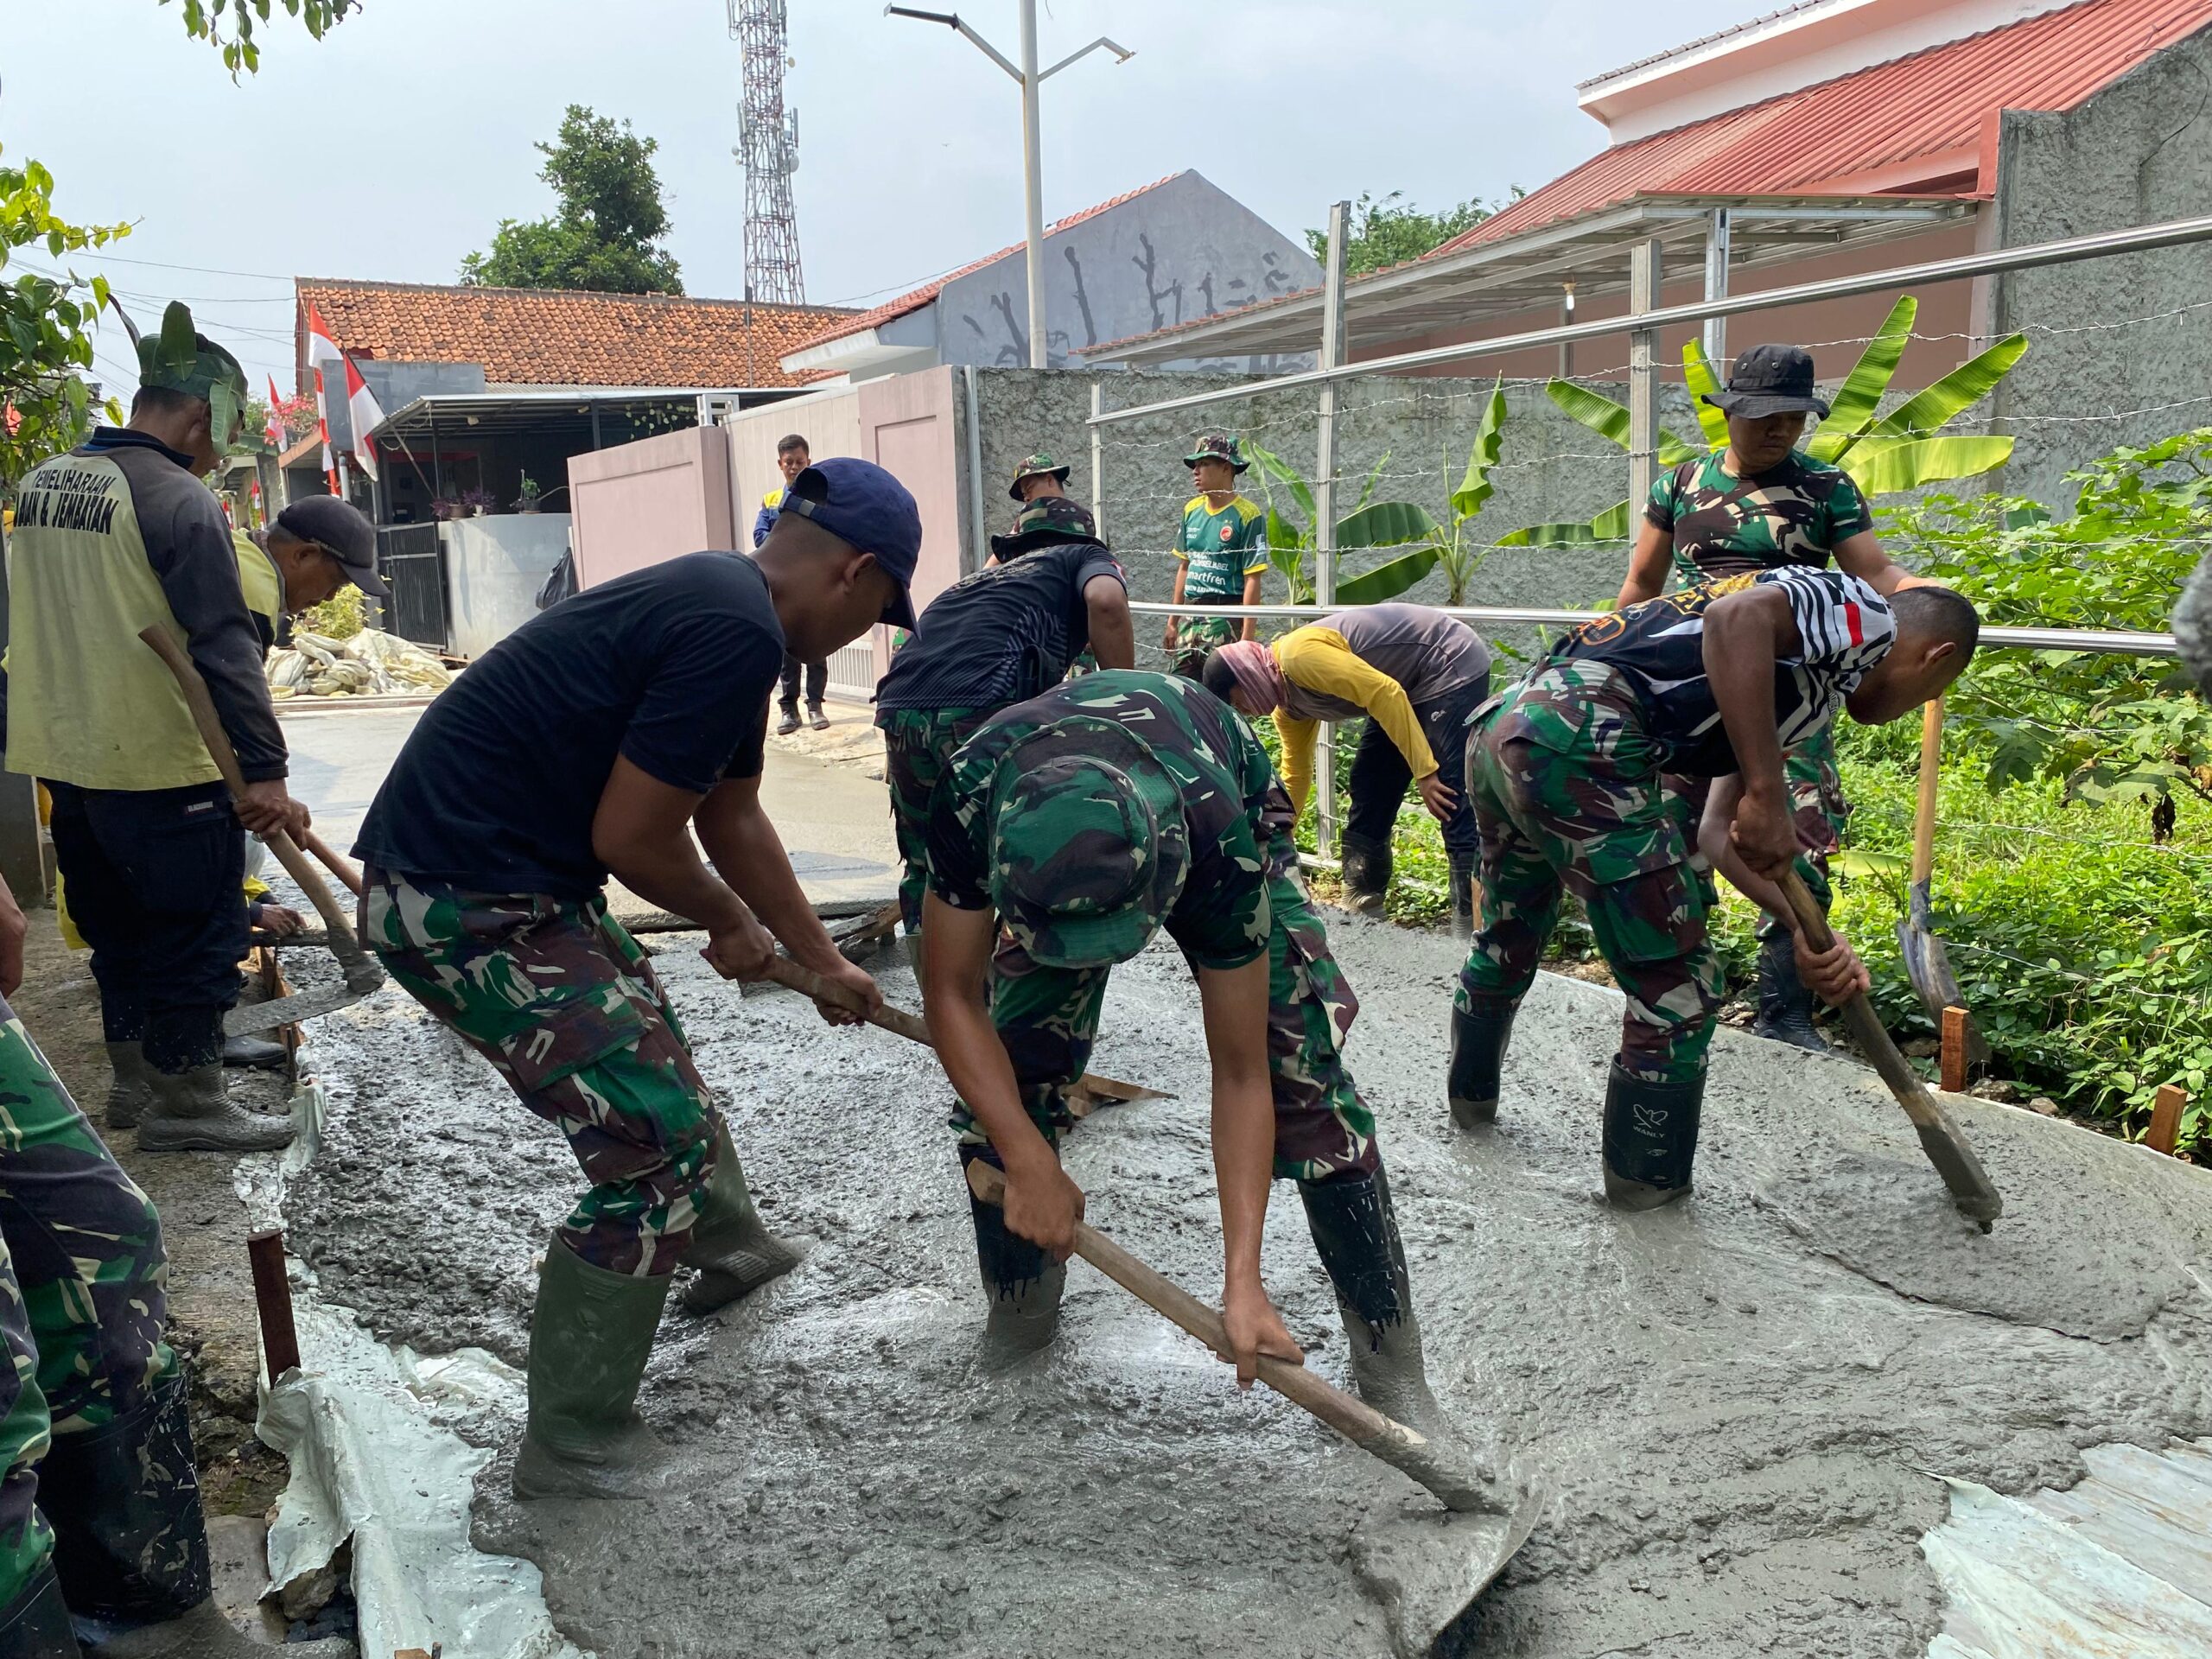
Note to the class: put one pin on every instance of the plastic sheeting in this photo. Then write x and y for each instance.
(2117, 1568)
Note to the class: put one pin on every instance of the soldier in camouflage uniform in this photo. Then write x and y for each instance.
(100, 1499)
(1037, 478)
(1083, 821)
(1051, 591)
(1761, 504)
(591, 743)
(1566, 771)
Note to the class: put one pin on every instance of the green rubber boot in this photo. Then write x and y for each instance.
(130, 1092)
(589, 1340)
(193, 1111)
(731, 1247)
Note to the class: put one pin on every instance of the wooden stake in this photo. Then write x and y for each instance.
(272, 1298)
(2165, 1118)
(1955, 1051)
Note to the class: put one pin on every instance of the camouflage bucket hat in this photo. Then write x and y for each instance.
(1089, 847)
(1039, 465)
(181, 359)
(1055, 518)
(1219, 446)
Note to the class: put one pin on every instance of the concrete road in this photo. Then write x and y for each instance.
(835, 819)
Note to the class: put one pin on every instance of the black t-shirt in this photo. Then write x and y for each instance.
(1003, 635)
(671, 666)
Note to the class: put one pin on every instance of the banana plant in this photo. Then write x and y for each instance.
(1902, 451)
(1460, 558)
(1371, 525)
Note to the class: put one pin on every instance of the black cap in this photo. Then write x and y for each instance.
(342, 531)
(1770, 380)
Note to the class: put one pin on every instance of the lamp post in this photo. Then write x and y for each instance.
(1030, 79)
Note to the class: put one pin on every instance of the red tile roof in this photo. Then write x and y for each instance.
(928, 291)
(1911, 124)
(559, 337)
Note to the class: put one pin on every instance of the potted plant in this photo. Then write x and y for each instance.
(445, 507)
(531, 496)
(478, 502)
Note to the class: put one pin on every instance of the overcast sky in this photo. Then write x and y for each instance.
(394, 147)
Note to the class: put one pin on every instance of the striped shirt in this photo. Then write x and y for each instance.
(1844, 628)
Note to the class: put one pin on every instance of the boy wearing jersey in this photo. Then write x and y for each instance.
(1762, 504)
(1221, 553)
(1714, 683)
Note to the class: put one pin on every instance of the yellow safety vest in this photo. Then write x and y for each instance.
(257, 574)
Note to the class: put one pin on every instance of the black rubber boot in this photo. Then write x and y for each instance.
(1650, 1138)
(731, 1247)
(1480, 1034)
(256, 1053)
(1785, 1001)
(590, 1339)
(193, 1111)
(1024, 1284)
(789, 722)
(35, 1625)
(1366, 873)
(815, 718)
(1462, 881)
(130, 1090)
(1355, 1233)
(130, 1541)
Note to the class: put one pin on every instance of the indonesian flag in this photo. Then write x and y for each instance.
(361, 406)
(323, 348)
(275, 430)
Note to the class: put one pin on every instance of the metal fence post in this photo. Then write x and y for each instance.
(1324, 510)
(1097, 456)
(1644, 273)
(1716, 288)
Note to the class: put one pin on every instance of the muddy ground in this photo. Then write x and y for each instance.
(1738, 1401)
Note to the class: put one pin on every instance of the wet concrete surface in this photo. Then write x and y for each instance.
(1739, 1400)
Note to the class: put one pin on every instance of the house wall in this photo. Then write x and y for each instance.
(494, 566)
(1182, 249)
(657, 499)
(2132, 154)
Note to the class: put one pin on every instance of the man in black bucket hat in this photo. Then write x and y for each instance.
(1761, 504)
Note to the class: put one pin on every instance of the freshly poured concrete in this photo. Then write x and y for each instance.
(1740, 1401)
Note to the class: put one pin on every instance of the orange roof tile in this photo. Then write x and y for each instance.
(915, 300)
(561, 337)
(1870, 131)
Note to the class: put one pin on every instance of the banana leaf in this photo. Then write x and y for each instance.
(1964, 386)
(1282, 535)
(1386, 524)
(1475, 488)
(1611, 525)
(1367, 491)
(1274, 466)
(1388, 580)
(1863, 387)
(1608, 419)
(1883, 466)
(1288, 562)
(1704, 381)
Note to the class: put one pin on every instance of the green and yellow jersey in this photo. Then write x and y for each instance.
(1220, 547)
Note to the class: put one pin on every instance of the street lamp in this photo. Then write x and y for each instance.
(1033, 184)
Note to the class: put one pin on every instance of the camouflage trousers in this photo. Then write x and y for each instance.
(1567, 790)
(1816, 805)
(1048, 1019)
(83, 1291)
(1196, 635)
(565, 1005)
(917, 744)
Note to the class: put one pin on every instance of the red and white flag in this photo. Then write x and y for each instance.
(275, 430)
(361, 407)
(323, 348)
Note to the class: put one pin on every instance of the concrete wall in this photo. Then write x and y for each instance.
(494, 566)
(657, 499)
(1180, 251)
(2138, 152)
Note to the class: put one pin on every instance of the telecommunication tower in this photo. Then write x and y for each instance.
(768, 147)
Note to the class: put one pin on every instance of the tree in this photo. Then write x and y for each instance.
(46, 324)
(227, 25)
(611, 219)
(1392, 231)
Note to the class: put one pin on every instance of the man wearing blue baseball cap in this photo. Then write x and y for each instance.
(591, 742)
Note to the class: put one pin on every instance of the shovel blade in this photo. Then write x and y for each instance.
(1928, 965)
(1427, 1567)
(255, 1018)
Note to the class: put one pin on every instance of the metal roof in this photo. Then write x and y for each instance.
(546, 412)
(1506, 278)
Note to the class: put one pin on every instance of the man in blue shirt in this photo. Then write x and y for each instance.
(592, 742)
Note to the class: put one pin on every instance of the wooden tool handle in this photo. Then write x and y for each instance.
(1355, 1420)
(1866, 1027)
(361, 973)
(337, 863)
(807, 982)
(1923, 814)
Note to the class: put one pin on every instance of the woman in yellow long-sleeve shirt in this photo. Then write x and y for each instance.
(1416, 675)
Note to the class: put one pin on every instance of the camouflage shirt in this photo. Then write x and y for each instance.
(1231, 804)
(1724, 525)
